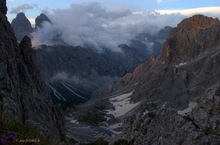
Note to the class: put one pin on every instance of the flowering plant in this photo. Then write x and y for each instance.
(8, 138)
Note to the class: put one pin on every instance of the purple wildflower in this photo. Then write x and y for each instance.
(3, 140)
(8, 138)
(11, 137)
(12, 134)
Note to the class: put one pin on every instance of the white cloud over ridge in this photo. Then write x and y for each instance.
(94, 25)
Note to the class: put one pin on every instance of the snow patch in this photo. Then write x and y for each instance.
(121, 97)
(122, 105)
(145, 112)
(115, 126)
(187, 110)
(56, 93)
(181, 64)
(76, 89)
(107, 118)
(216, 53)
(164, 104)
(73, 91)
(136, 84)
(74, 121)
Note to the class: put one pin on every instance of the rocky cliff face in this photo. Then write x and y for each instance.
(3, 6)
(21, 26)
(156, 41)
(84, 68)
(183, 65)
(178, 91)
(73, 60)
(198, 124)
(22, 94)
(191, 38)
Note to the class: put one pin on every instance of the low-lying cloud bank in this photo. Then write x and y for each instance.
(208, 11)
(93, 25)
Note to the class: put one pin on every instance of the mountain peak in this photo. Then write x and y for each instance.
(197, 22)
(25, 42)
(40, 19)
(192, 37)
(21, 26)
(21, 15)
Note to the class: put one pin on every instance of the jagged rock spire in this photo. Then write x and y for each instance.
(40, 20)
(21, 26)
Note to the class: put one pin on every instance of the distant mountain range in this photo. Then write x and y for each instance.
(83, 68)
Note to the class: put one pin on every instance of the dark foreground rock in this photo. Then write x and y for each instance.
(23, 96)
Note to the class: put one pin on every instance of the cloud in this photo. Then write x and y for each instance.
(159, 1)
(60, 76)
(209, 11)
(21, 8)
(92, 24)
(32, 21)
(89, 83)
(45, 35)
